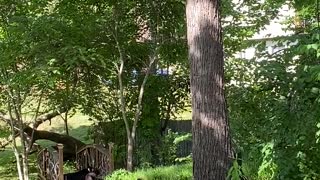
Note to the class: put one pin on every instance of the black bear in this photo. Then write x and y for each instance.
(84, 174)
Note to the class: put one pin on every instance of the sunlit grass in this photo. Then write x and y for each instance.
(175, 172)
(185, 115)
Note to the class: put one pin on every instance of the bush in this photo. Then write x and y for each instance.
(178, 172)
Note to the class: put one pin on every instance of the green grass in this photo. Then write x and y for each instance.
(7, 165)
(78, 128)
(185, 115)
(177, 172)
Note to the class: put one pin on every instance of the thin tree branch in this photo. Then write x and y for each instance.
(47, 117)
(153, 59)
(120, 73)
(35, 117)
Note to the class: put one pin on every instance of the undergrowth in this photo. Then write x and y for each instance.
(176, 172)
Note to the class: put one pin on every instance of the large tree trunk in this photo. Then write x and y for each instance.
(211, 139)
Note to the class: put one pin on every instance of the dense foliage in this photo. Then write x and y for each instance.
(273, 102)
(183, 172)
(63, 55)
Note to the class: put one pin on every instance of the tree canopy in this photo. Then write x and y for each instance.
(61, 57)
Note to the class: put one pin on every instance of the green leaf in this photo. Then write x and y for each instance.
(313, 46)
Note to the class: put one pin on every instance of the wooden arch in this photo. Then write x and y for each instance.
(97, 157)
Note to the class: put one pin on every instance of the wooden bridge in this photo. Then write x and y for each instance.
(50, 163)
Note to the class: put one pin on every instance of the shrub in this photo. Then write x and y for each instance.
(177, 172)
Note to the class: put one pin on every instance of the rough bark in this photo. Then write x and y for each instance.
(211, 139)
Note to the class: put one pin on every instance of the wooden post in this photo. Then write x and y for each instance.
(60, 151)
(46, 163)
(110, 153)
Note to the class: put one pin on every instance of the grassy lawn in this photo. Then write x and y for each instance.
(7, 165)
(78, 127)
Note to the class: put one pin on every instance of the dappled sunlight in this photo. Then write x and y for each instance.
(211, 138)
(78, 128)
(57, 123)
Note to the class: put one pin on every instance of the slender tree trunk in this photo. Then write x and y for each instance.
(211, 139)
(65, 120)
(24, 154)
(17, 104)
(122, 95)
(131, 134)
(66, 102)
(16, 154)
(130, 154)
(15, 149)
(123, 109)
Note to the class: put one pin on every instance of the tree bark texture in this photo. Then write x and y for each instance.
(211, 150)
(130, 154)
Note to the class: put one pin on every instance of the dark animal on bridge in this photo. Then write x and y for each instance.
(84, 174)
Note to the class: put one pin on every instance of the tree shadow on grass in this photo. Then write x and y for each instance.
(8, 168)
(80, 133)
